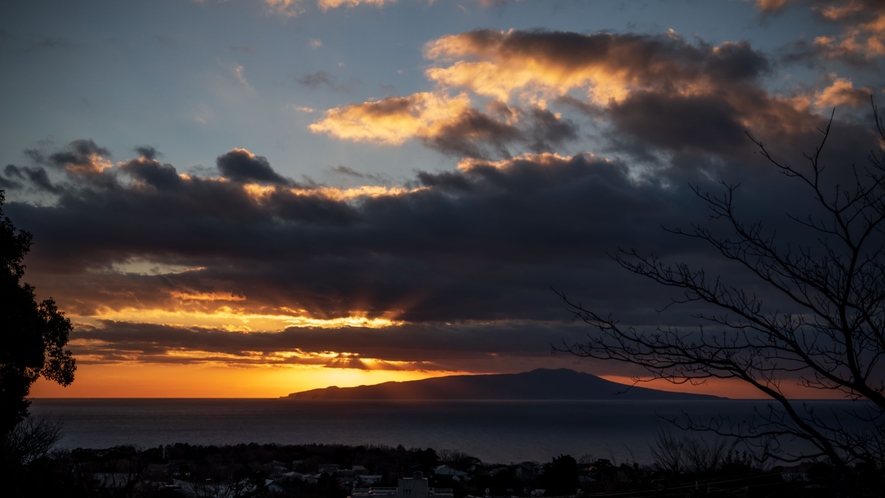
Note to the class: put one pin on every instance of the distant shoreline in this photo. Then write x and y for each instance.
(539, 385)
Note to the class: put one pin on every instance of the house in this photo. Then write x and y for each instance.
(407, 487)
(796, 473)
(368, 478)
(328, 468)
(445, 470)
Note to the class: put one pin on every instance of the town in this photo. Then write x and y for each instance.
(338, 471)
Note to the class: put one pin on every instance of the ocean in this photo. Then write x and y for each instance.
(493, 431)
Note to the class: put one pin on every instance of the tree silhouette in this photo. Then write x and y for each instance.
(33, 334)
(832, 338)
(560, 477)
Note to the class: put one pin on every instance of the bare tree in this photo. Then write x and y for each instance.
(32, 439)
(832, 337)
(674, 451)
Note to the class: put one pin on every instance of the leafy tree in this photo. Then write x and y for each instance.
(560, 477)
(831, 336)
(33, 334)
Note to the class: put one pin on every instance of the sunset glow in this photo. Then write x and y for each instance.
(232, 319)
(251, 198)
(213, 381)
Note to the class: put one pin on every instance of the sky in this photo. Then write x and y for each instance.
(248, 198)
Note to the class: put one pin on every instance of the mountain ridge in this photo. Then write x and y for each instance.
(538, 384)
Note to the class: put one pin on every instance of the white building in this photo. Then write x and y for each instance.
(407, 487)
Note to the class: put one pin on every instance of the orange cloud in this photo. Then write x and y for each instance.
(263, 193)
(206, 296)
(237, 319)
(842, 92)
(332, 4)
(95, 164)
(285, 8)
(771, 5)
(863, 21)
(393, 121)
(543, 159)
(533, 67)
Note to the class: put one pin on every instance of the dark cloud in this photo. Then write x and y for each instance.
(473, 133)
(736, 62)
(447, 180)
(79, 154)
(548, 131)
(321, 78)
(470, 134)
(147, 152)
(429, 346)
(482, 243)
(242, 166)
(7, 183)
(676, 122)
(344, 170)
(34, 174)
(161, 176)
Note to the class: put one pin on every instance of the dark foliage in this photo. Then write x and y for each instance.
(560, 477)
(33, 334)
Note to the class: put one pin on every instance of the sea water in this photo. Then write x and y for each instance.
(493, 431)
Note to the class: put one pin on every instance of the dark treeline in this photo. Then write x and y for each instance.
(681, 469)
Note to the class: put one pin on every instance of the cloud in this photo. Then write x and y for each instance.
(150, 172)
(332, 4)
(862, 39)
(81, 156)
(771, 5)
(448, 124)
(649, 96)
(841, 92)
(242, 166)
(703, 122)
(394, 120)
(284, 8)
(539, 65)
(35, 175)
(481, 243)
(407, 347)
(344, 170)
(147, 151)
(159, 266)
(320, 78)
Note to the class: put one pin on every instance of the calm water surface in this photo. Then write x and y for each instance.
(494, 431)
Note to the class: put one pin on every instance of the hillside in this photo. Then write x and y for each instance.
(540, 384)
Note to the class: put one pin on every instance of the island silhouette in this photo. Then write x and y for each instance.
(539, 384)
